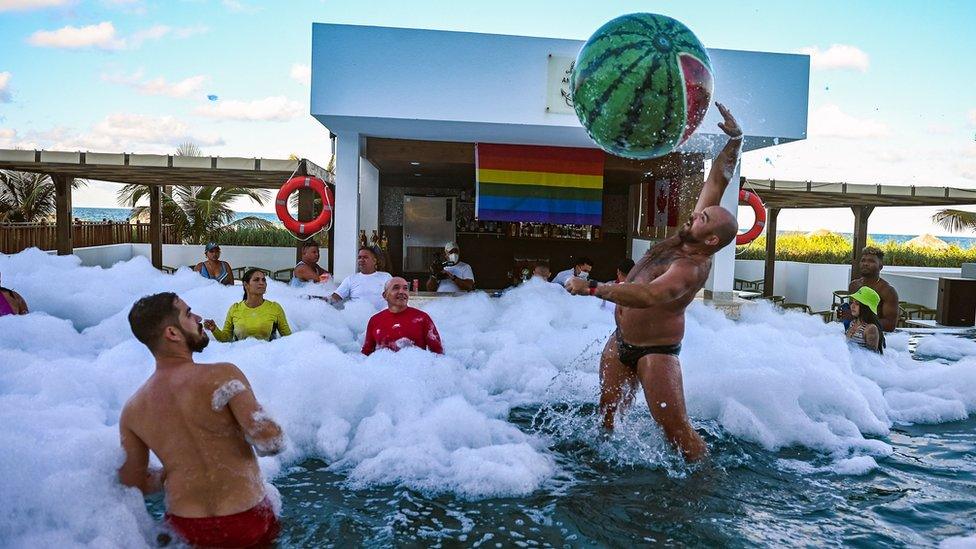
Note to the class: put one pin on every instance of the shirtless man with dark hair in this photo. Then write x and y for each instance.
(651, 307)
(201, 421)
(872, 261)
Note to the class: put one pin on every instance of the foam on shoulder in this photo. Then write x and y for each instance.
(225, 392)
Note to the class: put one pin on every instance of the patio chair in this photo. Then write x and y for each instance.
(748, 285)
(797, 306)
(267, 272)
(284, 275)
(776, 300)
(167, 269)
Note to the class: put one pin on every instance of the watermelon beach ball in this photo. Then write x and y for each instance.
(641, 85)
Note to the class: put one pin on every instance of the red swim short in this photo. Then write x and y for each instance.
(256, 526)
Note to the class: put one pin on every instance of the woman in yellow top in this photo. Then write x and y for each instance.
(254, 316)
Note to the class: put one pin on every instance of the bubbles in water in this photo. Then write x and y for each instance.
(437, 424)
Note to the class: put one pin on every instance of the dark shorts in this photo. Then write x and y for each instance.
(631, 354)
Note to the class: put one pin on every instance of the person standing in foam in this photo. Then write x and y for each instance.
(367, 284)
(454, 275)
(651, 307)
(400, 325)
(253, 316)
(308, 271)
(11, 303)
(581, 269)
(204, 423)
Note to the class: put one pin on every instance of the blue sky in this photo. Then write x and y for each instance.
(893, 85)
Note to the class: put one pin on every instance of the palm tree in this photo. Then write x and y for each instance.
(28, 197)
(188, 148)
(955, 220)
(198, 213)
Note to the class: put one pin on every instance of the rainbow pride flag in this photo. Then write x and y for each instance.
(539, 184)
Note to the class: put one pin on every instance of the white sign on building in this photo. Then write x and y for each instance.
(559, 98)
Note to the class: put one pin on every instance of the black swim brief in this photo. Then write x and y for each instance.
(630, 354)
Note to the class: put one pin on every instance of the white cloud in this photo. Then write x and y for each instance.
(972, 117)
(5, 87)
(100, 36)
(238, 6)
(120, 132)
(301, 73)
(278, 108)
(104, 36)
(186, 32)
(152, 33)
(939, 129)
(830, 121)
(837, 56)
(26, 5)
(159, 85)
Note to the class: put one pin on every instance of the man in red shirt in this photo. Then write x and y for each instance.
(399, 325)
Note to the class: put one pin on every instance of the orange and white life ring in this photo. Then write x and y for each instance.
(757, 207)
(305, 228)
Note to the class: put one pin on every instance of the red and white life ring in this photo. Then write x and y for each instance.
(304, 228)
(757, 207)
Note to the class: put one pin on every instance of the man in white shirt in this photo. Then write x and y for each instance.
(581, 269)
(367, 284)
(455, 276)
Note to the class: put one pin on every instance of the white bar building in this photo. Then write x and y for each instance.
(407, 107)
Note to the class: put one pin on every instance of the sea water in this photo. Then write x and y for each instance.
(496, 442)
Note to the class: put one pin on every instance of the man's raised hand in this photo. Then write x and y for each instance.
(728, 125)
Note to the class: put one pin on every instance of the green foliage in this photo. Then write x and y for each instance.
(836, 249)
(26, 197)
(199, 213)
(267, 236)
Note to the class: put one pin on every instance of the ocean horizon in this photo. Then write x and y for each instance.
(122, 214)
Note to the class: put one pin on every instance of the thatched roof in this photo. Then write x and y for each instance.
(928, 241)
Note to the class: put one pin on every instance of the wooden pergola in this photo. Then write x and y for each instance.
(156, 171)
(861, 199)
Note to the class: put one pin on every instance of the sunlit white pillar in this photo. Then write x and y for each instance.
(346, 238)
(719, 284)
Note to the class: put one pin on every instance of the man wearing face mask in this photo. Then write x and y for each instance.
(581, 269)
(453, 275)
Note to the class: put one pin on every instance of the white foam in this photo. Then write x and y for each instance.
(961, 542)
(225, 393)
(437, 423)
(946, 346)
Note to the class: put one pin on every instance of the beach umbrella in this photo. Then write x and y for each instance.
(821, 232)
(928, 241)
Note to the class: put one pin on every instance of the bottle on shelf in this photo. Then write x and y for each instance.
(596, 232)
(362, 238)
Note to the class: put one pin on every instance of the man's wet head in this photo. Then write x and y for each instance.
(164, 322)
(396, 291)
(541, 270)
(872, 261)
(710, 229)
(310, 252)
(582, 267)
(367, 260)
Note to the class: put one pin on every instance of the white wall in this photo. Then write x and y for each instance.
(814, 283)
(268, 257)
(103, 256)
(369, 197)
(462, 86)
